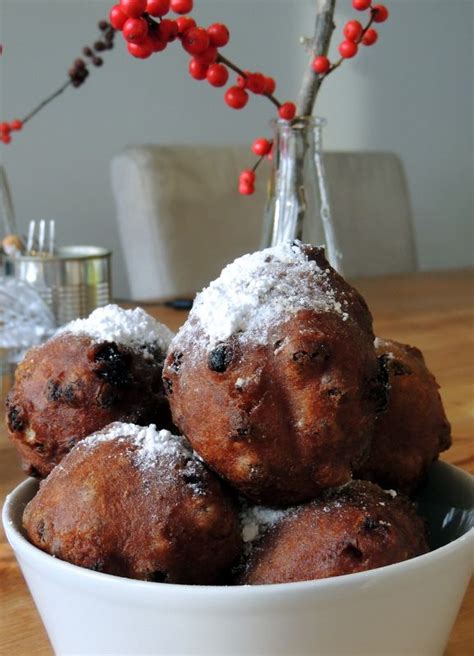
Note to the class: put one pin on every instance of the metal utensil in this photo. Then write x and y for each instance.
(6, 204)
(43, 245)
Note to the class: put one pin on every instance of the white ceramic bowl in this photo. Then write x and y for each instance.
(407, 608)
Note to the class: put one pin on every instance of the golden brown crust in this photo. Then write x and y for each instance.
(71, 387)
(285, 419)
(414, 429)
(170, 522)
(356, 528)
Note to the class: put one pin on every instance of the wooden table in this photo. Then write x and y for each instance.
(434, 311)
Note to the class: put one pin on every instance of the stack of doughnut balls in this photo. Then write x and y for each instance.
(272, 439)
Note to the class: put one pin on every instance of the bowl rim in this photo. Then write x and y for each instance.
(20, 544)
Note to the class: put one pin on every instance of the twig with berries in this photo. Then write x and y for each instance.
(146, 31)
(355, 34)
(318, 46)
(145, 35)
(78, 74)
(319, 66)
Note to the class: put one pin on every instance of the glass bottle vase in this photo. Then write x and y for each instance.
(298, 202)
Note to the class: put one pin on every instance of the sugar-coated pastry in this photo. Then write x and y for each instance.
(413, 430)
(136, 502)
(351, 529)
(93, 371)
(274, 378)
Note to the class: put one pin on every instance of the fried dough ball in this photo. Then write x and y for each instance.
(274, 378)
(352, 529)
(94, 371)
(413, 430)
(136, 502)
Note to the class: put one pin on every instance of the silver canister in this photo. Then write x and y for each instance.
(73, 282)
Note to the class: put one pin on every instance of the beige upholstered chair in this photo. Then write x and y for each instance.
(181, 219)
(180, 216)
(370, 206)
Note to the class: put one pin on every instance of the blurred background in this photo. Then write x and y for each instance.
(411, 94)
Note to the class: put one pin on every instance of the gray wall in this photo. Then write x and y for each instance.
(411, 93)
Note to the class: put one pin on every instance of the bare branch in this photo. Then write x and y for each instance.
(47, 100)
(323, 29)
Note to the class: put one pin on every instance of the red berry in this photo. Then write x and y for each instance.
(157, 7)
(4, 127)
(321, 65)
(242, 80)
(5, 137)
(353, 30)
(347, 49)
(380, 13)
(141, 50)
(370, 37)
(117, 17)
(287, 111)
(247, 177)
(256, 83)
(184, 23)
(217, 75)
(270, 86)
(156, 42)
(133, 8)
(208, 57)
(135, 30)
(182, 6)
(218, 35)
(261, 147)
(168, 30)
(361, 5)
(197, 69)
(236, 97)
(16, 124)
(195, 40)
(246, 189)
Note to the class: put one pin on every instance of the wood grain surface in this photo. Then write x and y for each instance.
(434, 311)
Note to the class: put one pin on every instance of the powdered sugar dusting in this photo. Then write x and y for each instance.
(151, 442)
(135, 328)
(382, 344)
(379, 342)
(150, 447)
(255, 520)
(258, 289)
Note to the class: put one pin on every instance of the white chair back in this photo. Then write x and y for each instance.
(371, 210)
(181, 218)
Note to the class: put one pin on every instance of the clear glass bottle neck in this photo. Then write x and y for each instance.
(298, 203)
(307, 131)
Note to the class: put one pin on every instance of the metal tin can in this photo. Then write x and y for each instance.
(73, 282)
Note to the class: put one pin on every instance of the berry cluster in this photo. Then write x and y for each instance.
(146, 31)
(78, 73)
(262, 148)
(144, 36)
(355, 34)
(7, 128)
